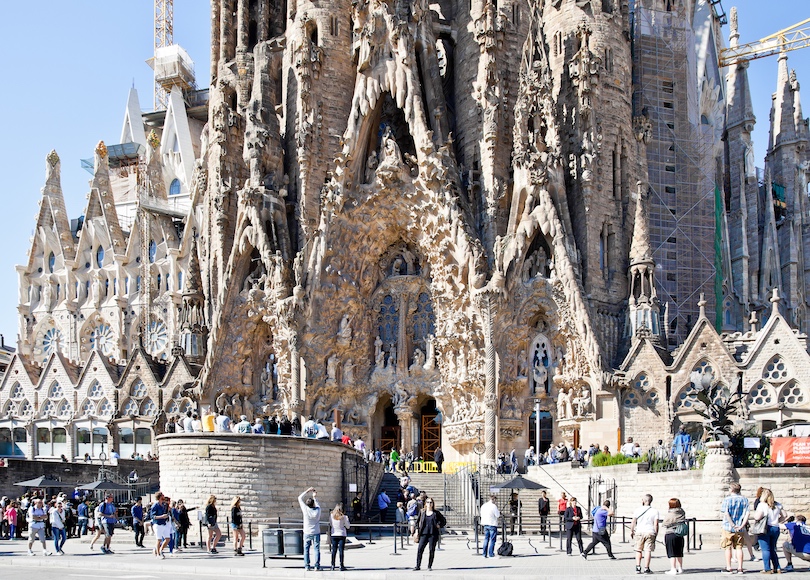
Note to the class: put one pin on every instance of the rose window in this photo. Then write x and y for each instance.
(630, 400)
(131, 408)
(65, 409)
(48, 409)
(149, 408)
(642, 382)
(105, 409)
(96, 392)
(11, 409)
(18, 392)
(103, 339)
(89, 408)
(173, 409)
(138, 390)
(157, 337)
(188, 407)
(56, 391)
(652, 400)
(687, 397)
(26, 409)
(792, 394)
(760, 396)
(51, 342)
(775, 371)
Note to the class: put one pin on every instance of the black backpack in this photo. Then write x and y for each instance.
(505, 549)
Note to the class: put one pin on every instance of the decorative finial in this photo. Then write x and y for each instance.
(702, 305)
(53, 158)
(775, 299)
(153, 139)
(752, 320)
(101, 149)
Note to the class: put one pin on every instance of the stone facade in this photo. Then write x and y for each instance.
(424, 221)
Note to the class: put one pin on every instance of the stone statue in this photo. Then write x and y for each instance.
(247, 373)
(392, 356)
(331, 367)
(462, 365)
(583, 401)
(222, 402)
(561, 405)
(238, 410)
(348, 372)
(418, 357)
(539, 371)
(344, 331)
(378, 343)
(371, 167)
(569, 408)
(379, 360)
(430, 363)
(521, 364)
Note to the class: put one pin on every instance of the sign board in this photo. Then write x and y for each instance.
(790, 450)
(751, 443)
(352, 488)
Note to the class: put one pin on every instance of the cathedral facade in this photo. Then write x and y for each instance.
(434, 223)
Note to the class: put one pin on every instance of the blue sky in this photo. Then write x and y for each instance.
(69, 67)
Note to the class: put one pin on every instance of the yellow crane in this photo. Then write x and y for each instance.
(788, 39)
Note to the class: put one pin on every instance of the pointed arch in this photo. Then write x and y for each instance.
(793, 395)
(87, 408)
(777, 370)
(761, 396)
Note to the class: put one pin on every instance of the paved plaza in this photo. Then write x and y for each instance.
(456, 559)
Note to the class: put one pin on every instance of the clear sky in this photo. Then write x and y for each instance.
(69, 67)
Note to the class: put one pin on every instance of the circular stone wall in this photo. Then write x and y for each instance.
(267, 471)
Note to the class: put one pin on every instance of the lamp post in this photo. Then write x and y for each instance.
(537, 427)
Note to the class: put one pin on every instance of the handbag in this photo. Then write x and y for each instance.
(682, 529)
(759, 526)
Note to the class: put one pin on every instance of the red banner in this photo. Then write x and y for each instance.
(790, 450)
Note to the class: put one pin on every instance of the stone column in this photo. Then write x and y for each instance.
(402, 338)
(718, 473)
(490, 384)
(405, 417)
(296, 404)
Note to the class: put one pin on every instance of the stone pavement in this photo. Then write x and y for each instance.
(456, 560)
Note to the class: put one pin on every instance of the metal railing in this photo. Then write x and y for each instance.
(666, 457)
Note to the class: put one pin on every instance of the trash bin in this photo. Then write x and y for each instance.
(273, 543)
(294, 543)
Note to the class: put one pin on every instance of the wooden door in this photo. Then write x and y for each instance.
(431, 437)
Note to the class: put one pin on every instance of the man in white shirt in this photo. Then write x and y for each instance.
(310, 428)
(489, 519)
(37, 515)
(196, 424)
(188, 423)
(627, 448)
(644, 529)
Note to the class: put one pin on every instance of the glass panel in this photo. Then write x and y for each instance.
(126, 446)
(60, 446)
(143, 441)
(83, 442)
(44, 442)
(6, 445)
(100, 441)
(20, 440)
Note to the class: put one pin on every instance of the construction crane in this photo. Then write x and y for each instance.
(788, 39)
(164, 36)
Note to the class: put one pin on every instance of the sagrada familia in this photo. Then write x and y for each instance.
(478, 224)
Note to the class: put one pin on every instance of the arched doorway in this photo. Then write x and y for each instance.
(430, 432)
(389, 430)
(546, 431)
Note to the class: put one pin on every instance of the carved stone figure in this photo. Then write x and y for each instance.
(345, 331)
(237, 408)
(348, 372)
(583, 401)
(331, 367)
(222, 402)
(418, 359)
(521, 364)
(392, 357)
(430, 363)
(247, 373)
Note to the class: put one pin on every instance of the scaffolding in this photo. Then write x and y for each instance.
(681, 165)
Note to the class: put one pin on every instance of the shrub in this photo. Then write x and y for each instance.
(602, 460)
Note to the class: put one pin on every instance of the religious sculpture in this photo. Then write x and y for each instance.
(583, 401)
(344, 331)
(331, 367)
(348, 372)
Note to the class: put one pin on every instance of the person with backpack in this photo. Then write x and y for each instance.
(600, 533)
(675, 529)
(109, 517)
(383, 501)
(428, 530)
(489, 520)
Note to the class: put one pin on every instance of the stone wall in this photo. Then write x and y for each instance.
(75, 473)
(267, 471)
(700, 498)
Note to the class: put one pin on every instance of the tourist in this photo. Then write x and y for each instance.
(489, 520)
(237, 526)
(285, 427)
(428, 529)
(96, 525)
(214, 534)
(137, 522)
(82, 512)
(58, 527)
(799, 543)
(323, 434)
(161, 522)
(394, 459)
(514, 510)
(681, 446)
(412, 513)
(562, 505)
(311, 510)
(339, 526)
(10, 514)
(196, 423)
(222, 424)
(675, 528)
(606, 450)
(183, 524)
(644, 528)
(383, 501)
(627, 448)
(543, 507)
(771, 511)
(258, 426)
(272, 425)
(400, 517)
(310, 428)
(336, 435)
(573, 525)
(357, 507)
(734, 512)
(243, 426)
(346, 440)
(37, 515)
(600, 534)
(174, 513)
(109, 518)
(438, 458)
(188, 423)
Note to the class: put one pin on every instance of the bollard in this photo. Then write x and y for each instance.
(227, 530)
(250, 536)
(395, 540)
(561, 533)
(201, 539)
(370, 541)
(624, 532)
(475, 526)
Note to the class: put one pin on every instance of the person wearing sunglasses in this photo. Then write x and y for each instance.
(428, 530)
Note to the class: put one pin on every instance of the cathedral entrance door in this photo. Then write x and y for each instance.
(389, 438)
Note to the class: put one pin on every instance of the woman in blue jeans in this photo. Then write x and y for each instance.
(770, 509)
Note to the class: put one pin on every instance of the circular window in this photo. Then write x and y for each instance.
(157, 337)
(51, 342)
(775, 370)
(105, 409)
(149, 408)
(103, 339)
(760, 396)
(652, 399)
(630, 400)
(18, 392)
(131, 408)
(642, 382)
(139, 390)
(792, 395)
